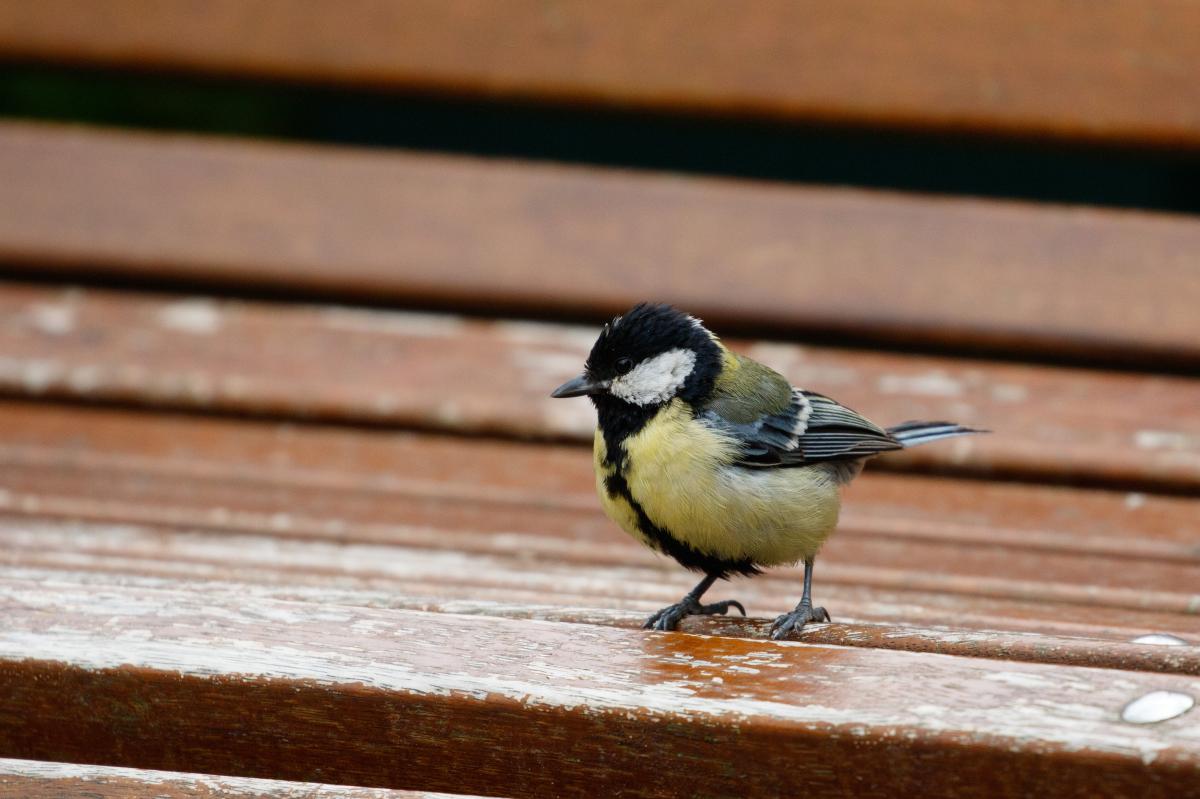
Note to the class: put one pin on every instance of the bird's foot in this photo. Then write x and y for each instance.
(788, 623)
(669, 617)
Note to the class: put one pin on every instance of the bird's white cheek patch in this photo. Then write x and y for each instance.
(655, 379)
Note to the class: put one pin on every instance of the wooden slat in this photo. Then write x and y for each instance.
(91, 571)
(442, 230)
(453, 374)
(360, 696)
(471, 519)
(1121, 71)
(39, 779)
(403, 575)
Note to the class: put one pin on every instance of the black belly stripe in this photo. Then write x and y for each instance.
(688, 556)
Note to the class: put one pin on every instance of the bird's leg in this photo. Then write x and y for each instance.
(669, 617)
(804, 612)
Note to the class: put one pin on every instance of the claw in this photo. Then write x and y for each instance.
(796, 620)
(669, 617)
(721, 608)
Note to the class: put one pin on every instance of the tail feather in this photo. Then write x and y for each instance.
(912, 434)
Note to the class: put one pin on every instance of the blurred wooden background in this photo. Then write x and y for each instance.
(285, 508)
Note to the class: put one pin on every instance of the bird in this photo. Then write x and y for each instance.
(717, 460)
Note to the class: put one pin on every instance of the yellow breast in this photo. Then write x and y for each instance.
(679, 471)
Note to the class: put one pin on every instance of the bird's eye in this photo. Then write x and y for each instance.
(624, 365)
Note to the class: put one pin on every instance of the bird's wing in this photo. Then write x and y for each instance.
(779, 426)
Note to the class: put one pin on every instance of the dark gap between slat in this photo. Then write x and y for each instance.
(1028, 169)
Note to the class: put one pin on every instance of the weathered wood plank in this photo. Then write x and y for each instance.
(413, 577)
(1123, 71)
(1172, 654)
(533, 507)
(466, 232)
(39, 779)
(531, 569)
(360, 696)
(450, 373)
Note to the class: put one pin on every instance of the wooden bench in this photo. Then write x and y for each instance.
(285, 508)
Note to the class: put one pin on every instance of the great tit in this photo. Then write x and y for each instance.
(717, 460)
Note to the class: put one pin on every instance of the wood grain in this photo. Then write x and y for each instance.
(448, 373)
(333, 694)
(437, 590)
(463, 519)
(37, 779)
(508, 236)
(1123, 71)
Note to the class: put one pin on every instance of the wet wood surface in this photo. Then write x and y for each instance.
(405, 515)
(456, 374)
(468, 233)
(365, 698)
(38, 779)
(1124, 71)
(440, 592)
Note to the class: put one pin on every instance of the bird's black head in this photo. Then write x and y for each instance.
(647, 357)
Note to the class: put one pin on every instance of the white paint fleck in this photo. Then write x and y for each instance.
(1134, 500)
(1157, 706)
(196, 316)
(1166, 439)
(930, 384)
(449, 412)
(194, 784)
(35, 375)
(1020, 679)
(54, 319)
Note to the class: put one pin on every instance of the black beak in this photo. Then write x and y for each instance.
(579, 386)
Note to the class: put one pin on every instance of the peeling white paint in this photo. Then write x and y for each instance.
(1166, 439)
(203, 784)
(53, 319)
(197, 316)
(34, 375)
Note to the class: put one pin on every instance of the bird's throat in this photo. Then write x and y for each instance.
(618, 420)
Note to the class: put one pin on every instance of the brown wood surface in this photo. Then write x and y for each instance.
(510, 236)
(403, 515)
(39, 779)
(427, 582)
(460, 375)
(363, 696)
(1114, 71)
